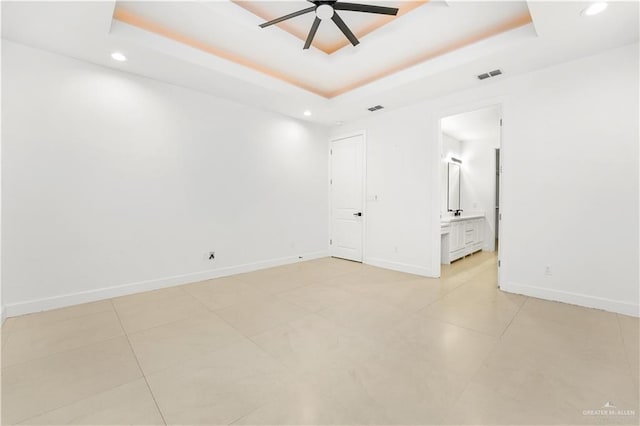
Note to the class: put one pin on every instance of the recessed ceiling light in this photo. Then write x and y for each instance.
(595, 8)
(307, 113)
(117, 56)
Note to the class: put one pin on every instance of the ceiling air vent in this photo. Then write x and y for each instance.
(493, 73)
(375, 108)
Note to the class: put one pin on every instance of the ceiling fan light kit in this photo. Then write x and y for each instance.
(326, 9)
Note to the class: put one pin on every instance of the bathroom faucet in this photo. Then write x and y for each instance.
(457, 212)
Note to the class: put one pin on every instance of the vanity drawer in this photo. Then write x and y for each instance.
(469, 236)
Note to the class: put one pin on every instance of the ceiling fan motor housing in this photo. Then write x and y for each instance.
(324, 11)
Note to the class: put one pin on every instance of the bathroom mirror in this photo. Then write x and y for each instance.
(453, 186)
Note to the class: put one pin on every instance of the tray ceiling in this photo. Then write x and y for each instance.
(328, 39)
(422, 31)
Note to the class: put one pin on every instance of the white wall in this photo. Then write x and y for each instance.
(396, 222)
(478, 185)
(114, 183)
(570, 152)
(2, 310)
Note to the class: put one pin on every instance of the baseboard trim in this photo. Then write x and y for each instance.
(401, 267)
(602, 303)
(71, 299)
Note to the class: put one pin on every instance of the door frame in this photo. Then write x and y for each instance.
(363, 208)
(502, 103)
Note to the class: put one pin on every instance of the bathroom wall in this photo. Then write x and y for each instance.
(478, 184)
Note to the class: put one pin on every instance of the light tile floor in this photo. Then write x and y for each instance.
(323, 342)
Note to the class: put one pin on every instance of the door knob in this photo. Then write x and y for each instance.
(358, 214)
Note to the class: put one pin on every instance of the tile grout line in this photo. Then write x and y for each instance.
(75, 402)
(56, 322)
(294, 373)
(284, 366)
(624, 345)
(2, 333)
(472, 376)
(75, 348)
(62, 352)
(475, 373)
(188, 317)
(61, 319)
(514, 317)
(144, 376)
(465, 328)
(215, 313)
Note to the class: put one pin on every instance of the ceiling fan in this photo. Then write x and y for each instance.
(326, 9)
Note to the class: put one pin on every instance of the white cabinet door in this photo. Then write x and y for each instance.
(453, 237)
(459, 236)
(479, 231)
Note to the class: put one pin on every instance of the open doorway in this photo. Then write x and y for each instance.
(470, 187)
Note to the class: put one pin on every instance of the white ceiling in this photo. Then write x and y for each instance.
(473, 125)
(87, 31)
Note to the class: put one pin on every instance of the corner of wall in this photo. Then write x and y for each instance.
(616, 306)
(402, 267)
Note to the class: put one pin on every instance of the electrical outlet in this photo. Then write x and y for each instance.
(211, 255)
(547, 271)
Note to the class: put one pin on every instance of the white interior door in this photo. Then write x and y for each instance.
(347, 197)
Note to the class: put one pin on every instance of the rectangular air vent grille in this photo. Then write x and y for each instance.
(375, 108)
(493, 73)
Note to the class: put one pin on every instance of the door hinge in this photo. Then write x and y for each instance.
(330, 152)
(499, 263)
(499, 216)
(501, 122)
(330, 181)
(330, 242)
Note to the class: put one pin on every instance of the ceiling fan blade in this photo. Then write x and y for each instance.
(289, 16)
(365, 8)
(345, 30)
(312, 32)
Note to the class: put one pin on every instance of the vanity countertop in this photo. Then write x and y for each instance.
(446, 220)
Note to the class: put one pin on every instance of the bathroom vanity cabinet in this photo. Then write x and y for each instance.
(461, 236)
